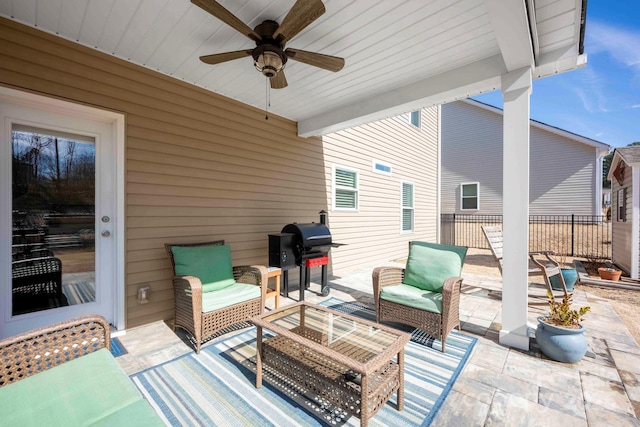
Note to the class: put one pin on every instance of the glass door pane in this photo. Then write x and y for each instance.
(53, 217)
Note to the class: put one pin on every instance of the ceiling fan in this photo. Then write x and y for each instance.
(270, 55)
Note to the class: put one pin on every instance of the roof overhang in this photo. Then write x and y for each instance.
(400, 56)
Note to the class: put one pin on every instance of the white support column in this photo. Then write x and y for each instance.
(516, 89)
(635, 219)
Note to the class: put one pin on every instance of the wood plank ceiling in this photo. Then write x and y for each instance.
(400, 55)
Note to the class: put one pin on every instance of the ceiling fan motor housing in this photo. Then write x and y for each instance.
(269, 59)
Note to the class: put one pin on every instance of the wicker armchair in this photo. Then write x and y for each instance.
(188, 293)
(37, 285)
(437, 323)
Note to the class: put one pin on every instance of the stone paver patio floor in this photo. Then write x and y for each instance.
(499, 385)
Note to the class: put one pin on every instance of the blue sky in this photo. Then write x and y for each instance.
(602, 100)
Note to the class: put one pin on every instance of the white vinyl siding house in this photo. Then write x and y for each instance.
(376, 233)
(565, 172)
(625, 209)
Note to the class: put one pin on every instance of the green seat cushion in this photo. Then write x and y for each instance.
(82, 391)
(430, 264)
(209, 263)
(234, 294)
(413, 297)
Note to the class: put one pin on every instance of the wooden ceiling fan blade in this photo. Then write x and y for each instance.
(218, 58)
(301, 15)
(214, 8)
(279, 81)
(327, 62)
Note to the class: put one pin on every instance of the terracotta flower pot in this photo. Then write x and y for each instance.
(609, 274)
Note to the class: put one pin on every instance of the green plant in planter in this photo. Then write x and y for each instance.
(560, 335)
(561, 313)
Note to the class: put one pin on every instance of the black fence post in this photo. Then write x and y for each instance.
(573, 233)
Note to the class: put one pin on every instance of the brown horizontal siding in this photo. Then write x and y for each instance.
(199, 166)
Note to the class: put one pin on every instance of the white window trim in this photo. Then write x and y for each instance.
(413, 208)
(378, 162)
(334, 187)
(477, 184)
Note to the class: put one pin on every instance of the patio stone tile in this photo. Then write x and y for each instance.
(510, 410)
(502, 382)
(542, 373)
(601, 348)
(569, 403)
(460, 409)
(598, 390)
(594, 367)
(627, 348)
(473, 328)
(164, 355)
(631, 383)
(626, 361)
(490, 356)
(149, 337)
(600, 416)
(129, 364)
(477, 390)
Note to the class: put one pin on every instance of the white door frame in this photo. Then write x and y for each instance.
(117, 121)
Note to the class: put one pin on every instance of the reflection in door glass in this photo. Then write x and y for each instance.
(53, 248)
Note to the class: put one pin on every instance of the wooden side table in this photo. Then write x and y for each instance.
(274, 272)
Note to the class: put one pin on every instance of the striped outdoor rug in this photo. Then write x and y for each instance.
(79, 292)
(217, 387)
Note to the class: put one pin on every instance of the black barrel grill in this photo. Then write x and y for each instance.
(305, 246)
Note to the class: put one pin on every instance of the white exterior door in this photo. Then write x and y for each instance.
(61, 247)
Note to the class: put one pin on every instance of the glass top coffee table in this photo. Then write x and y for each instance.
(344, 359)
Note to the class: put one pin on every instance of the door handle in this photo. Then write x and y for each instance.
(105, 233)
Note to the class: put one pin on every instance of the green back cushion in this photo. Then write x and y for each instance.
(209, 263)
(430, 264)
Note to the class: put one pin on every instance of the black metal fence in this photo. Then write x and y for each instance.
(571, 235)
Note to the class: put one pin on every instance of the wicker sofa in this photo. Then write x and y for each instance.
(425, 294)
(64, 374)
(211, 294)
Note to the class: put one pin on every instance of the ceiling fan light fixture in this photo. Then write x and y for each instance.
(269, 60)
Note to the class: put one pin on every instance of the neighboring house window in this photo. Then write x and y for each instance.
(407, 207)
(415, 118)
(622, 204)
(470, 196)
(381, 167)
(345, 188)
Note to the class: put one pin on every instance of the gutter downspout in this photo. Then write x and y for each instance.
(583, 24)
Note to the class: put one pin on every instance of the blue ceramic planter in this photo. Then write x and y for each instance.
(570, 278)
(561, 344)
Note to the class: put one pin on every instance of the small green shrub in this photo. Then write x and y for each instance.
(561, 313)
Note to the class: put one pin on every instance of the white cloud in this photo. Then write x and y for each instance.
(635, 106)
(621, 43)
(589, 90)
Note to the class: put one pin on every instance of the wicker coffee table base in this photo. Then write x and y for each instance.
(328, 379)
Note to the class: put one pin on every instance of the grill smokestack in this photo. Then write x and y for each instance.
(323, 217)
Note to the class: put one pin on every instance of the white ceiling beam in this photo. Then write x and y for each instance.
(478, 77)
(512, 31)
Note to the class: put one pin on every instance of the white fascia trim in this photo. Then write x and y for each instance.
(469, 80)
(614, 162)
